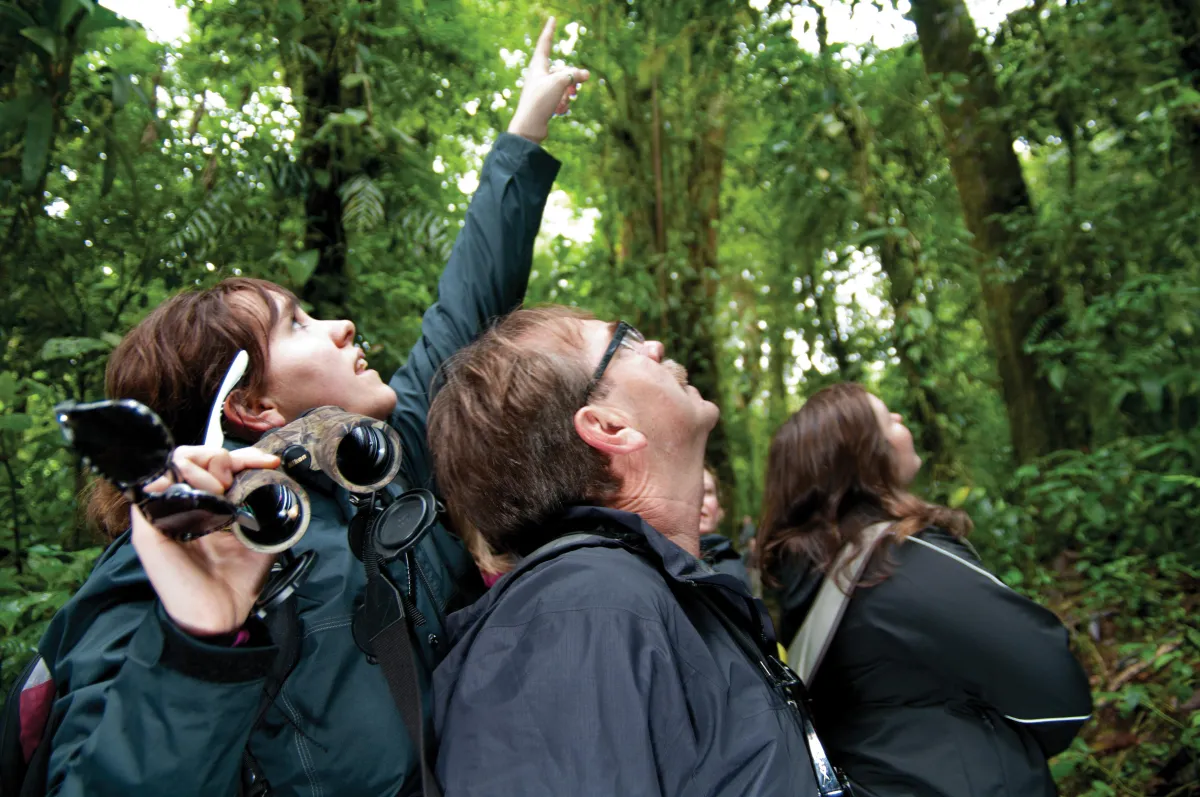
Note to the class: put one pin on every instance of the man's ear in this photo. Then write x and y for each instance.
(256, 417)
(607, 431)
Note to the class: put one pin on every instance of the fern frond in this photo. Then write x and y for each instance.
(362, 203)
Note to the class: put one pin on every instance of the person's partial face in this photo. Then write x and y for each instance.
(710, 507)
(900, 439)
(651, 390)
(316, 363)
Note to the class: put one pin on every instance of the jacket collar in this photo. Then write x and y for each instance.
(677, 563)
(630, 531)
(716, 546)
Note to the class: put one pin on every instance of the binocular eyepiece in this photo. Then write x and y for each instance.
(358, 453)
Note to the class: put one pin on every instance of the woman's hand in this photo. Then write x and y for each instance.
(546, 93)
(207, 586)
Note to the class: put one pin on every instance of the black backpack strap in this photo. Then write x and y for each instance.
(387, 623)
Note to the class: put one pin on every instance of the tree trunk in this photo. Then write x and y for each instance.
(696, 288)
(328, 288)
(991, 187)
(1184, 16)
(781, 355)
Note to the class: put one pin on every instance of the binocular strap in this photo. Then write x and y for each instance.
(391, 645)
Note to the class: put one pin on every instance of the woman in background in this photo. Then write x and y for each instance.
(939, 679)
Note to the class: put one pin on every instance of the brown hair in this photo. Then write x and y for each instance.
(831, 472)
(174, 361)
(501, 426)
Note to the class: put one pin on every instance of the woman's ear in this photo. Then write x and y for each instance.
(607, 431)
(256, 417)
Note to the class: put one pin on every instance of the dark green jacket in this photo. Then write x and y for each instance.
(144, 709)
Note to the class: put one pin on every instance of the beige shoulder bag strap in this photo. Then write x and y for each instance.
(815, 634)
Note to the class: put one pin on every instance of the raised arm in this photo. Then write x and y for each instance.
(489, 266)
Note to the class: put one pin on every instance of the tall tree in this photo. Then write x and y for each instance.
(669, 68)
(993, 191)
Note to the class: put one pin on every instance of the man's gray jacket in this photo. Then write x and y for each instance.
(605, 670)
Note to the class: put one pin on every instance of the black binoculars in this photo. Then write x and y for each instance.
(125, 442)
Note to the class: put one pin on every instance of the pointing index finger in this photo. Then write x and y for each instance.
(541, 53)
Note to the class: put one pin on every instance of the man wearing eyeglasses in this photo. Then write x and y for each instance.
(611, 660)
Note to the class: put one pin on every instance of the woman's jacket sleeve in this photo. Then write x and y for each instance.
(1005, 648)
(485, 278)
(142, 708)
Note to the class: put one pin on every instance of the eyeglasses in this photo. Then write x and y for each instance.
(624, 336)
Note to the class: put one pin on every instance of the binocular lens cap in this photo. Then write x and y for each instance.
(402, 525)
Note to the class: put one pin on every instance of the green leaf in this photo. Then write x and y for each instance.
(8, 387)
(102, 19)
(37, 143)
(291, 9)
(1152, 389)
(1187, 96)
(16, 422)
(1027, 472)
(959, 496)
(1057, 376)
(108, 175)
(1193, 636)
(355, 79)
(69, 8)
(62, 348)
(42, 37)
(1163, 84)
(14, 112)
(301, 267)
(1096, 514)
(122, 88)
(19, 16)
(362, 203)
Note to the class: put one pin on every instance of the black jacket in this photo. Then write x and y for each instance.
(718, 551)
(144, 709)
(941, 681)
(597, 672)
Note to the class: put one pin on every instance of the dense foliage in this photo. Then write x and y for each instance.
(997, 231)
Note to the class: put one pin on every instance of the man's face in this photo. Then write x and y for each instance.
(710, 507)
(314, 363)
(651, 391)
